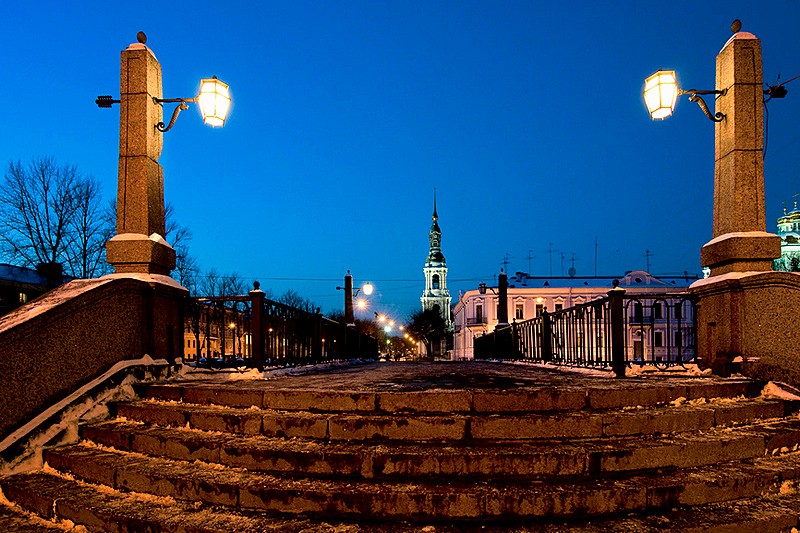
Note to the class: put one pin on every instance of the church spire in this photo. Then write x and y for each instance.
(436, 295)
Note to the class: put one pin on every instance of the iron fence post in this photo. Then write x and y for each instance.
(257, 324)
(547, 338)
(617, 318)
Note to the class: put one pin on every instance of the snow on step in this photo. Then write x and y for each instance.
(350, 426)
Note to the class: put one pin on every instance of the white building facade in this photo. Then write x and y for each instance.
(476, 312)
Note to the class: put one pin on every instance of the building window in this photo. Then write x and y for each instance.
(658, 313)
(479, 313)
(658, 339)
(519, 311)
(638, 312)
(679, 339)
(678, 311)
(436, 281)
(23, 298)
(559, 307)
(539, 309)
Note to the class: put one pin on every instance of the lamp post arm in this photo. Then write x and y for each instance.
(694, 96)
(183, 104)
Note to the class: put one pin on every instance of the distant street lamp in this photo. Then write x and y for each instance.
(502, 296)
(350, 293)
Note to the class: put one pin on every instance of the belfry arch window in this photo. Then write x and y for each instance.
(435, 281)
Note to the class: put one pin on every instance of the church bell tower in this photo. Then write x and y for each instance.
(436, 293)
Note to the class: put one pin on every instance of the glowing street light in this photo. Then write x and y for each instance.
(214, 100)
(139, 245)
(350, 293)
(661, 92)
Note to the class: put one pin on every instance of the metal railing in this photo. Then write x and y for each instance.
(612, 331)
(252, 331)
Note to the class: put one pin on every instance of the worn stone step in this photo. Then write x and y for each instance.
(100, 508)
(547, 458)
(110, 510)
(238, 488)
(599, 395)
(771, 514)
(686, 417)
(14, 519)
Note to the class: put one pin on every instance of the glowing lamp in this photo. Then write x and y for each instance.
(214, 101)
(660, 94)
(368, 288)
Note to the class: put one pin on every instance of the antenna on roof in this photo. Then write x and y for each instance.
(648, 254)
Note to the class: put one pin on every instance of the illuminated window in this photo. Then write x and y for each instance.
(539, 309)
(23, 298)
(519, 311)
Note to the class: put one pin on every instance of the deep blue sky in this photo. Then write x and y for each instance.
(527, 117)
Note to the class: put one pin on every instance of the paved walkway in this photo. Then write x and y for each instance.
(418, 376)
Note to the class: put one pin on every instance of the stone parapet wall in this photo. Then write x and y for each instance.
(76, 332)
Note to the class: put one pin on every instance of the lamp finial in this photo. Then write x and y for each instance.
(141, 37)
(736, 26)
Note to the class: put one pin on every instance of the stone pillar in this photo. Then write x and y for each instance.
(616, 316)
(746, 312)
(349, 318)
(502, 299)
(139, 245)
(740, 242)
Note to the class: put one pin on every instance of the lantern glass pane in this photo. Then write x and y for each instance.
(661, 93)
(214, 101)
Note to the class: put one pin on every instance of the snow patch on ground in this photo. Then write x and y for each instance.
(779, 391)
(86, 409)
(634, 370)
(253, 374)
(64, 525)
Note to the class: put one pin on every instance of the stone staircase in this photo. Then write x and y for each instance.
(584, 454)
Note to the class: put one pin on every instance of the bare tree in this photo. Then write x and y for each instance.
(293, 299)
(428, 326)
(233, 285)
(85, 253)
(37, 206)
(180, 237)
(210, 283)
